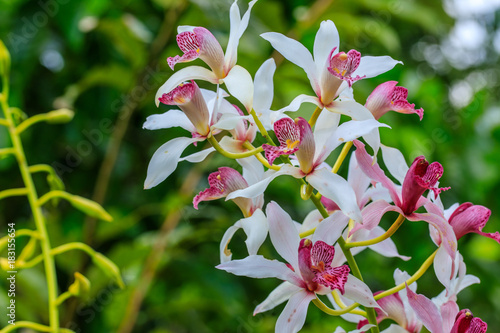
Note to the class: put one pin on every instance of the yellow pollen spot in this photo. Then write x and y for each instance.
(218, 177)
(337, 70)
(290, 144)
(307, 241)
(179, 100)
(343, 56)
(343, 72)
(198, 50)
(468, 314)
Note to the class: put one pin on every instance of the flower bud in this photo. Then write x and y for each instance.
(4, 60)
(80, 287)
(109, 268)
(90, 208)
(60, 116)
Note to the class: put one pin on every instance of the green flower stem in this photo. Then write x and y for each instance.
(315, 115)
(59, 250)
(261, 128)
(336, 298)
(30, 121)
(13, 192)
(33, 326)
(261, 158)
(227, 154)
(7, 151)
(4, 122)
(42, 168)
(53, 194)
(323, 307)
(427, 263)
(64, 296)
(49, 265)
(342, 156)
(394, 227)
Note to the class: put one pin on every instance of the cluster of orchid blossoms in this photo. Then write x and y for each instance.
(318, 254)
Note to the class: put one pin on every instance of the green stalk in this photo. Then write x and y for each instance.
(49, 265)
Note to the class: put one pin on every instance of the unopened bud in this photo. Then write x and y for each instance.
(81, 286)
(109, 268)
(90, 208)
(60, 116)
(4, 60)
(305, 191)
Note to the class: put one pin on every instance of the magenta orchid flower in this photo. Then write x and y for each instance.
(388, 97)
(200, 110)
(309, 270)
(446, 318)
(198, 42)
(330, 71)
(327, 136)
(421, 176)
(470, 218)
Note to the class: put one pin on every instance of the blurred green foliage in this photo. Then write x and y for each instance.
(106, 59)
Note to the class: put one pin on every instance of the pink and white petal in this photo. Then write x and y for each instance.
(172, 118)
(394, 329)
(359, 292)
(372, 214)
(387, 248)
(296, 53)
(372, 66)
(374, 172)
(238, 26)
(312, 220)
(257, 266)
(198, 156)
(394, 307)
(426, 311)
(280, 294)
(297, 102)
(284, 234)
(363, 329)
(449, 311)
(185, 74)
(294, 314)
(258, 188)
(327, 38)
(395, 162)
(165, 160)
(331, 228)
(239, 83)
(256, 228)
(373, 140)
(357, 178)
(443, 267)
(351, 109)
(336, 188)
(374, 193)
(264, 87)
(448, 239)
(353, 129)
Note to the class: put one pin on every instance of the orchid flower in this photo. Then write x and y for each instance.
(388, 97)
(200, 110)
(330, 71)
(198, 42)
(421, 176)
(308, 270)
(327, 136)
(446, 318)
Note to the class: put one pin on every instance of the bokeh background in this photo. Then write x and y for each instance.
(106, 59)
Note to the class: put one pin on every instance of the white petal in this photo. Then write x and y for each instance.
(330, 229)
(165, 160)
(258, 188)
(280, 294)
(443, 267)
(284, 235)
(229, 121)
(185, 74)
(198, 156)
(259, 267)
(357, 178)
(326, 125)
(326, 39)
(358, 291)
(387, 248)
(296, 53)
(395, 329)
(395, 163)
(239, 84)
(255, 228)
(238, 26)
(351, 109)
(263, 86)
(172, 118)
(297, 102)
(253, 170)
(336, 188)
(373, 140)
(225, 255)
(294, 314)
(373, 66)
